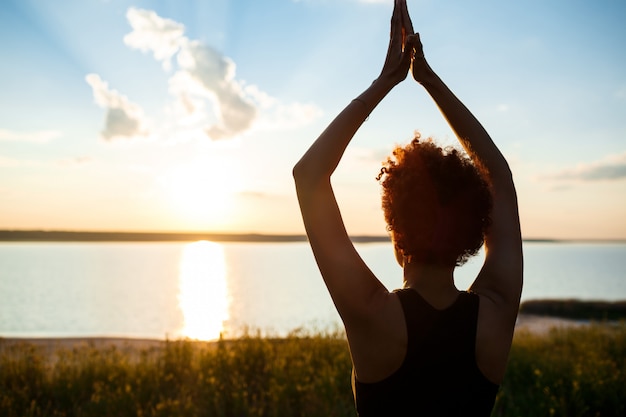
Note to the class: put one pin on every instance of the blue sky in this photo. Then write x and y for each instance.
(188, 115)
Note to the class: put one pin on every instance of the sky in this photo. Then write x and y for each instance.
(175, 115)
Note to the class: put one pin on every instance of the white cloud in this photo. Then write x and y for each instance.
(612, 167)
(163, 37)
(6, 162)
(207, 94)
(13, 163)
(124, 119)
(76, 161)
(503, 108)
(42, 136)
(215, 77)
(277, 115)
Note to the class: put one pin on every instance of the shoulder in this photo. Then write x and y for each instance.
(378, 342)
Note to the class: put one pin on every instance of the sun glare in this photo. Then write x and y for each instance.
(203, 192)
(203, 293)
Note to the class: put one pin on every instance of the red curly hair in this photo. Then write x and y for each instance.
(436, 202)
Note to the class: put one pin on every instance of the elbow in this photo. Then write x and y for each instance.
(299, 173)
(306, 175)
(302, 177)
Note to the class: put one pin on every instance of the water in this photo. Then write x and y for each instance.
(197, 290)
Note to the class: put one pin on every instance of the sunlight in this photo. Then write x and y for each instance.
(203, 294)
(203, 191)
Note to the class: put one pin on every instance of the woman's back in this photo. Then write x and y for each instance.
(438, 375)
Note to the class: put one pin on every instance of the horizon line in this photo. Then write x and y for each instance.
(44, 235)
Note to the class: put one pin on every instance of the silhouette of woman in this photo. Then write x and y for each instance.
(427, 348)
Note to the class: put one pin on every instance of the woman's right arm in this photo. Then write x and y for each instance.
(499, 283)
(501, 277)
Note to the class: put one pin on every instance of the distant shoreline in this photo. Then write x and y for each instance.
(89, 236)
(537, 324)
(101, 236)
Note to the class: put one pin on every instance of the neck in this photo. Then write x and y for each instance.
(433, 282)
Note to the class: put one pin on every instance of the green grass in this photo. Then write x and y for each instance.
(575, 372)
(571, 372)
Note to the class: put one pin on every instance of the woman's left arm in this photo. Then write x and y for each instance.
(352, 286)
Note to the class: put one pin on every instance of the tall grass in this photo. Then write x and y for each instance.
(574, 372)
(299, 375)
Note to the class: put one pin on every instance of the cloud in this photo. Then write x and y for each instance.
(277, 115)
(42, 136)
(207, 95)
(254, 194)
(6, 162)
(76, 161)
(13, 163)
(215, 75)
(151, 33)
(612, 167)
(124, 119)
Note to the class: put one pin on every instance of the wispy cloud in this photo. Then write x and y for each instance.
(503, 108)
(612, 167)
(124, 119)
(207, 94)
(6, 162)
(254, 194)
(42, 136)
(76, 161)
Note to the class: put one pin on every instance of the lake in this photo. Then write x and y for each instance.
(199, 289)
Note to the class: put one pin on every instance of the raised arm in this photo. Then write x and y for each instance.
(353, 287)
(501, 277)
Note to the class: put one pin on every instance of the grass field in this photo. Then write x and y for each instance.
(578, 371)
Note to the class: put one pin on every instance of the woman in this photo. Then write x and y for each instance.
(428, 348)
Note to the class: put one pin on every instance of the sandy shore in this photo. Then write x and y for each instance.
(543, 324)
(51, 344)
(525, 322)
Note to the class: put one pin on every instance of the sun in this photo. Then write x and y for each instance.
(203, 192)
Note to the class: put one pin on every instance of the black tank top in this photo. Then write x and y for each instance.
(439, 375)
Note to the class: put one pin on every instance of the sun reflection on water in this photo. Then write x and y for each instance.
(203, 294)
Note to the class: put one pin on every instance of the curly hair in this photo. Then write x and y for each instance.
(436, 202)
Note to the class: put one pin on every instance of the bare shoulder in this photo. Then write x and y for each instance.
(378, 342)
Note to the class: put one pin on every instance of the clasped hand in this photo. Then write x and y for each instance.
(405, 48)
